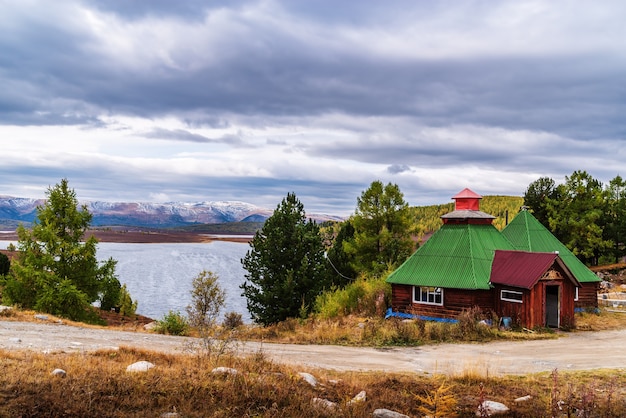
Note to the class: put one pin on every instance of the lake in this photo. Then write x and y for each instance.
(159, 276)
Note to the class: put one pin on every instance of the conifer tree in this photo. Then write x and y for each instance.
(56, 270)
(382, 229)
(285, 266)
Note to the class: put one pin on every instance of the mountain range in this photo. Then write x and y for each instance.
(14, 210)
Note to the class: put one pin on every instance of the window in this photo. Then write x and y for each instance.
(511, 296)
(428, 295)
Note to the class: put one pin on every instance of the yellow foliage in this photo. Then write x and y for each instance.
(438, 402)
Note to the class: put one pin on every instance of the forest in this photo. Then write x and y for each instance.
(589, 217)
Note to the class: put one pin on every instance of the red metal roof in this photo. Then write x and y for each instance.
(467, 200)
(467, 194)
(520, 268)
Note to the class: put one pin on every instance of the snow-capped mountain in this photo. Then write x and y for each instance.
(169, 214)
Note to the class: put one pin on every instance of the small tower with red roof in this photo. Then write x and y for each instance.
(467, 210)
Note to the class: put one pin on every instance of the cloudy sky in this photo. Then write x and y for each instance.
(192, 101)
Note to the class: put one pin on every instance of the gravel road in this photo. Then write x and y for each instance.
(573, 351)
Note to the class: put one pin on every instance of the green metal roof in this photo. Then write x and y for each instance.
(456, 256)
(526, 233)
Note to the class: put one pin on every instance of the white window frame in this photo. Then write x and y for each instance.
(432, 295)
(576, 294)
(511, 292)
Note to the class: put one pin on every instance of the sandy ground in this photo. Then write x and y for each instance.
(572, 351)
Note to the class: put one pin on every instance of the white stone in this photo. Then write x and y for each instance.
(325, 404)
(360, 397)
(523, 398)
(386, 413)
(224, 370)
(309, 378)
(140, 366)
(41, 317)
(15, 340)
(493, 408)
(58, 372)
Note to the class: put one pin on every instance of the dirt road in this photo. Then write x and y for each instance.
(575, 351)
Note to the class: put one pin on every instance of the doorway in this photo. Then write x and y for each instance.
(552, 306)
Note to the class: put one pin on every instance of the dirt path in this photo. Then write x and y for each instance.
(575, 351)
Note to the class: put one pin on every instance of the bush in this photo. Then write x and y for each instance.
(365, 297)
(207, 300)
(110, 293)
(173, 323)
(128, 307)
(232, 320)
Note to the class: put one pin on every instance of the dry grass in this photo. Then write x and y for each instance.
(97, 384)
(604, 320)
(356, 331)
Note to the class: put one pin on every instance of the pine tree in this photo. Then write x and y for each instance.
(383, 228)
(285, 266)
(56, 270)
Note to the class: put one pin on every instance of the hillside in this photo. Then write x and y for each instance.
(504, 208)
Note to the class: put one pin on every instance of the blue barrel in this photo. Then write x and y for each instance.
(505, 322)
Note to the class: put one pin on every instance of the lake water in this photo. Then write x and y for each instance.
(159, 276)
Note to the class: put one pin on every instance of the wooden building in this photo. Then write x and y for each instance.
(533, 289)
(534, 280)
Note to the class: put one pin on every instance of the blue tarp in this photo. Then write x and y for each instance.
(391, 314)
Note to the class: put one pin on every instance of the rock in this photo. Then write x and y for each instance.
(15, 340)
(224, 370)
(5, 308)
(492, 408)
(386, 413)
(59, 373)
(150, 326)
(360, 397)
(140, 366)
(325, 404)
(41, 317)
(523, 398)
(170, 415)
(308, 378)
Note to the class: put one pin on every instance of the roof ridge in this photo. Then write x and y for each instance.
(472, 254)
(527, 228)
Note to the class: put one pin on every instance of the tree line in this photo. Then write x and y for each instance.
(292, 260)
(585, 215)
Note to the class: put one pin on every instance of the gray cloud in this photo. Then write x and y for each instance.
(183, 135)
(398, 168)
(390, 90)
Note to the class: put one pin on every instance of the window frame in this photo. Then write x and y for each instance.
(512, 292)
(430, 293)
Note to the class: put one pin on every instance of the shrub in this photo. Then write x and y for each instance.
(232, 320)
(128, 307)
(365, 297)
(110, 293)
(173, 323)
(207, 300)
